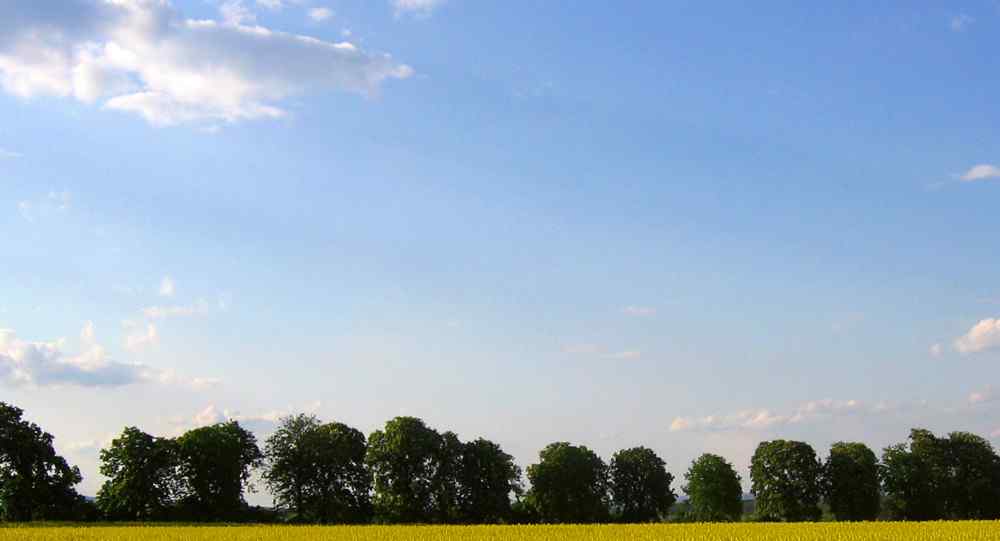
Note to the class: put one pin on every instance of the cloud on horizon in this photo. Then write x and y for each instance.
(144, 57)
(760, 419)
(47, 364)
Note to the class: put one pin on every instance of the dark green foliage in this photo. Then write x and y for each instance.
(852, 482)
(933, 478)
(785, 478)
(973, 469)
(640, 486)
(142, 476)
(317, 471)
(35, 482)
(569, 485)
(403, 459)
(714, 490)
(215, 463)
(487, 478)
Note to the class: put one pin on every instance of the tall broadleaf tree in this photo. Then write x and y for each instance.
(35, 482)
(640, 486)
(487, 480)
(569, 485)
(852, 482)
(317, 471)
(142, 476)
(714, 490)
(215, 463)
(786, 478)
(404, 460)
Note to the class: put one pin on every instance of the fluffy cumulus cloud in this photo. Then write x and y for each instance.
(983, 336)
(761, 419)
(416, 7)
(982, 171)
(44, 364)
(262, 422)
(145, 57)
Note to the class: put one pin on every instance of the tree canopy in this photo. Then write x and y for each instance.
(215, 463)
(142, 476)
(785, 478)
(35, 482)
(317, 471)
(713, 489)
(851, 482)
(640, 485)
(569, 484)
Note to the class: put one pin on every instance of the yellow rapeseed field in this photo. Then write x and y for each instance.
(884, 531)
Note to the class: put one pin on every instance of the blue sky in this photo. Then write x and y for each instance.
(688, 227)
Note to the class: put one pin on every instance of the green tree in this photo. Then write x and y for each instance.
(640, 485)
(973, 469)
(142, 476)
(852, 482)
(914, 478)
(35, 482)
(318, 471)
(786, 479)
(714, 490)
(487, 479)
(215, 463)
(569, 485)
(445, 489)
(404, 461)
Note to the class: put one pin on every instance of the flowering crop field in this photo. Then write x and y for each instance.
(882, 531)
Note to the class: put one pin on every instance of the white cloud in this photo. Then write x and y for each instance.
(164, 312)
(167, 287)
(45, 364)
(140, 337)
(53, 203)
(983, 171)
(639, 311)
(760, 419)
(416, 7)
(961, 21)
(320, 14)
(936, 350)
(982, 397)
(234, 12)
(627, 355)
(9, 154)
(211, 415)
(983, 336)
(144, 57)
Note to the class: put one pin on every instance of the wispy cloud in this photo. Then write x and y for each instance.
(642, 311)
(960, 22)
(982, 396)
(167, 287)
(9, 154)
(146, 58)
(54, 203)
(320, 14)
(420, 8)
(139, 337)
(164, 312)
(983, 336)
(983, 171)
(759, 419)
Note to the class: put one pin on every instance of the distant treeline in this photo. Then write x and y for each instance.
(407, 472)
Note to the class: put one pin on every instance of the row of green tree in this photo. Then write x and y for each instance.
(408, 472)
